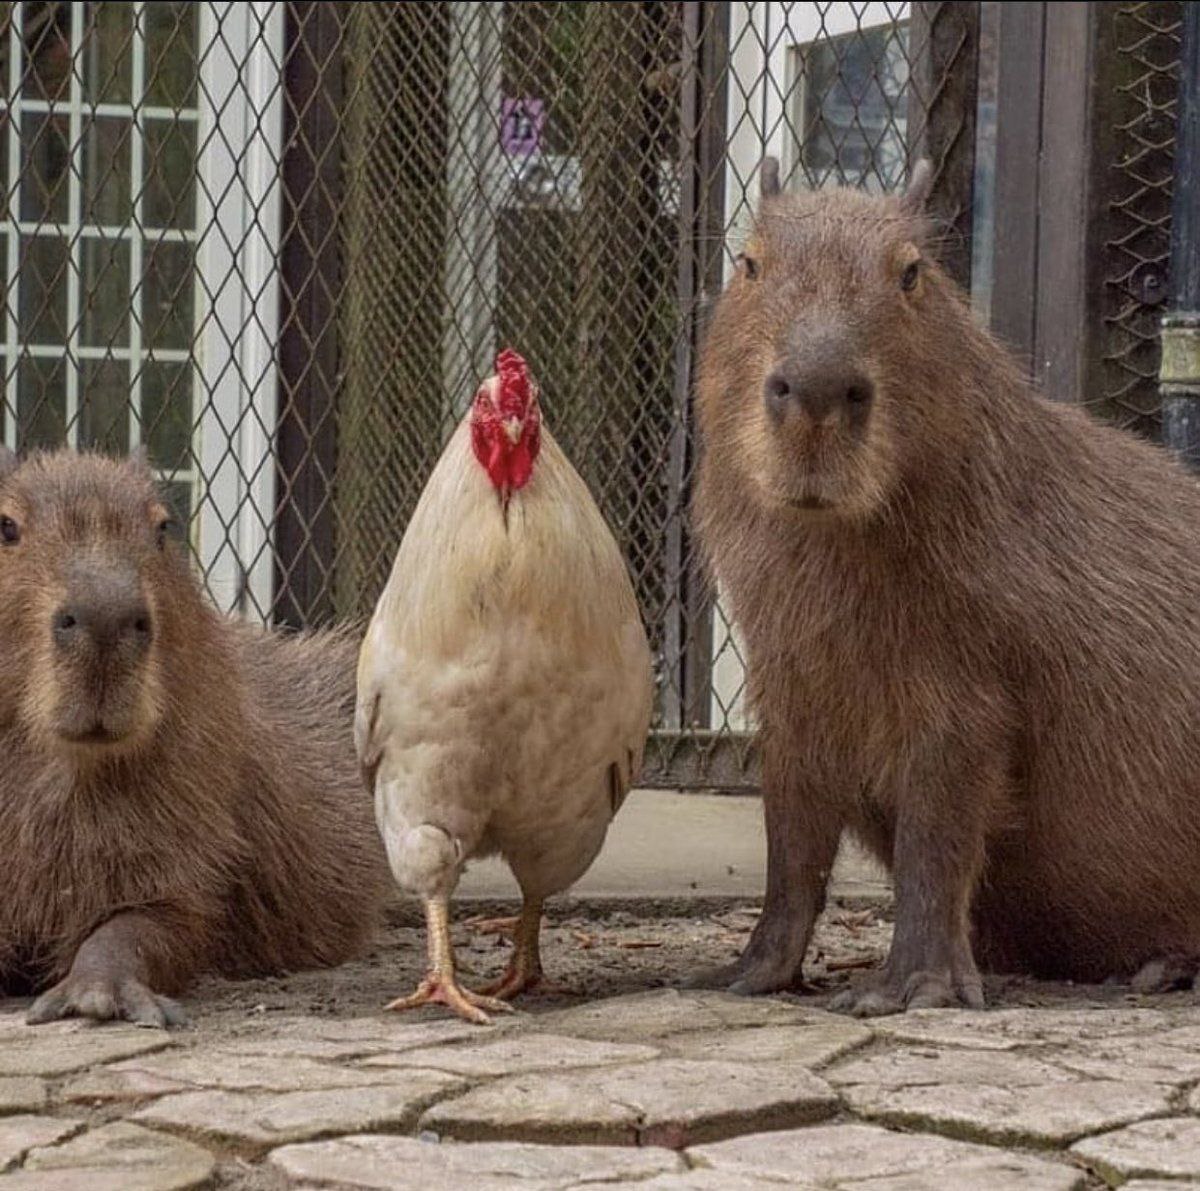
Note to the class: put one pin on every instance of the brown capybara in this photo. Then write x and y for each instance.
(972, 619)
(179, 791)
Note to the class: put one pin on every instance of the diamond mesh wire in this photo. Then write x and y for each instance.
(1136, 193)
(279, 243)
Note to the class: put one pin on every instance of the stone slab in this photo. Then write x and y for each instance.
(516, 1055)
(844, 1154)
(646, 1017)
(1167, 1148)
(1004, 1172)
(21, 1133)
(711, 1180)
(59, 1048)
(671, 1102)
(1041, 1115)
(116, 1157)
(318, 1037)
(401, 1163)
(104, 1085)
(1145, 1059)
(911, 1066)
(22, 1093)
(220, 1067)
(1006, 1029)
(251, 1122)
(813, 1044)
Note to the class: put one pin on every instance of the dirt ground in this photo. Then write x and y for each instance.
(593, 949)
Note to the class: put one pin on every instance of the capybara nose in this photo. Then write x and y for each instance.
(817, 393)
(115, 622)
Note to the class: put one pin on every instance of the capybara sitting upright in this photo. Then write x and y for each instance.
(972, 619)
(178, 792)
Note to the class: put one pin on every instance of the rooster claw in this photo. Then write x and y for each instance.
(436, 990)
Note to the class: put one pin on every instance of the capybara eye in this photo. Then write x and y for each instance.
(908, 279)
(164, 527)
(747, 264)
(10, 531)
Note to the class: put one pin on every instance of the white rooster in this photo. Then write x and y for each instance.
(504, 685)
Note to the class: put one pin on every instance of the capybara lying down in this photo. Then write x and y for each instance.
(972, 619)
(179, 792)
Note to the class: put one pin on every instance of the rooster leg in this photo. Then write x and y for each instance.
(525, 967)
(440, 985)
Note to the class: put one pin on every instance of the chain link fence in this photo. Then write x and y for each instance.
(279, 244)
(1140, 86)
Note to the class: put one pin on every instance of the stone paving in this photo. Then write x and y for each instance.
(663, 1090)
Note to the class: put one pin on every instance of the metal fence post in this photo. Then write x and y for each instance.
(1179, 372)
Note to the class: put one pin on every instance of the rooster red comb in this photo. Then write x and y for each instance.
(514, 389)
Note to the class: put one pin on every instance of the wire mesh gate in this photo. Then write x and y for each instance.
(278, 243)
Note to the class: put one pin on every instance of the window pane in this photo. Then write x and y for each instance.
(45, 167)
(167, 296)
(854, 108)
(104, 296)
(42, 310)
(108, 52)
(41, 403)
(104, 406)
(46, 33)
(105, 164)
(169, 199)
(171, 54)
(167, 414)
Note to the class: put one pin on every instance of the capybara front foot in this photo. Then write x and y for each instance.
(105, 998)
(1167, 973)
(749, 975)
(877, 996)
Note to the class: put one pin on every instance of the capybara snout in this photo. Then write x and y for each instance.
(105, 611)
(821, 388)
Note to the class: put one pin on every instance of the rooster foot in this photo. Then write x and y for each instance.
(523, 972)
(525, 967)
(440, 990)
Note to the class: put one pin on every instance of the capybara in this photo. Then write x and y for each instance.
(179, 791)
(972, 619)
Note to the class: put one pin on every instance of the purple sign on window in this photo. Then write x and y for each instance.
(521, 123)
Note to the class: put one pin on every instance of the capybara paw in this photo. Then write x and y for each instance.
(719, 977)
(1168, 973)
(106, 999)
(883, 994)
(746, 977)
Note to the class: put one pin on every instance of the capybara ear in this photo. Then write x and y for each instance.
(768, 177)
(8, 461)
(920, 183)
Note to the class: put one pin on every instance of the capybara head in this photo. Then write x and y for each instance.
(813, 383)
(90, 584)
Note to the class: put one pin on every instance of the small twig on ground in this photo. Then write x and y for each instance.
(846, 965)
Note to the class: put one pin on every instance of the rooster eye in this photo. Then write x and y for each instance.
(748, 265)
(10, 531)
(908, 279)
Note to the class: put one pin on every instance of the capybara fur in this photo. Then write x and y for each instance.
(179, 790)
(972, 619)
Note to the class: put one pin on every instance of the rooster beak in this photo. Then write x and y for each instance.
(512, 430)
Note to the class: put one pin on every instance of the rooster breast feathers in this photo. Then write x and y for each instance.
(504, 686)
